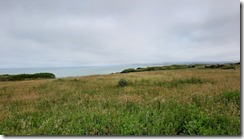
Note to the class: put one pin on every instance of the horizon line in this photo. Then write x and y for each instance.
(156, 63)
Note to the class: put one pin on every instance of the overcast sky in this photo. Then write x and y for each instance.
(54, 33)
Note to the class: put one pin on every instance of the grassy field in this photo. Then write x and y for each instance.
(166, 102)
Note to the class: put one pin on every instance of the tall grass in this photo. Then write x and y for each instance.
(182, 102)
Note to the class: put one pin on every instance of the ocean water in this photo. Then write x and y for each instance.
(93, 70)
(70, 71)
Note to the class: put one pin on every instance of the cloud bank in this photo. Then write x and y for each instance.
(43, 33)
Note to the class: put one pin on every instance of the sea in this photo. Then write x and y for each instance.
(61, 72)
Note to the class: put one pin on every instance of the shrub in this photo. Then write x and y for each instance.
(228, 67)
(123, 83)
(214, 66)
(191, 66)
(128, 70)
(20, 77)
(150, 68)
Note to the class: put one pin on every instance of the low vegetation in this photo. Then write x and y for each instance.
(193, 101)
(20, 77)
(122, 83)
(177, 67)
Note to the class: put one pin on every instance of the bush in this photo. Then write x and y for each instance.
(191, 66)
(228, 67)
(20, 77)
(214, 66)
(123, 83)
(128, 70)
(154, 68)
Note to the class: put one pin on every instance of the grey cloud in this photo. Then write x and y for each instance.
(106, 32)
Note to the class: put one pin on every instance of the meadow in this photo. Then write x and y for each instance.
(191, 101)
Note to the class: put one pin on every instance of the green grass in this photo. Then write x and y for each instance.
(168, 118)
(167, 102)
